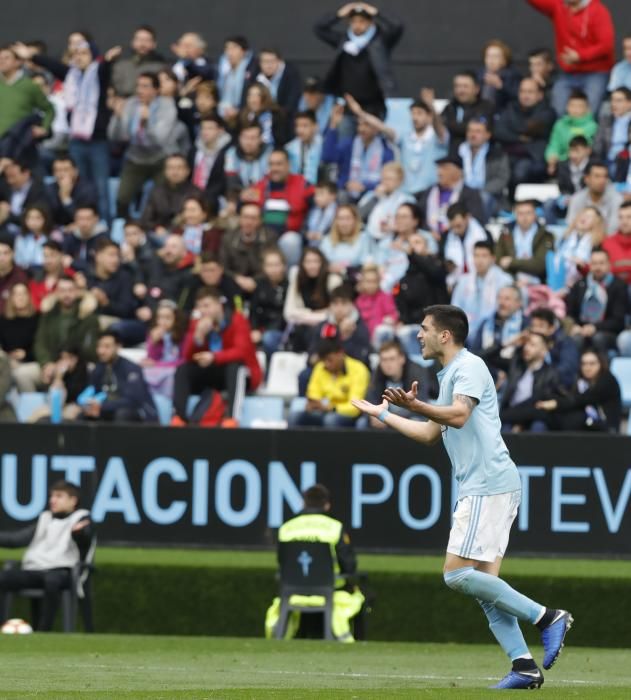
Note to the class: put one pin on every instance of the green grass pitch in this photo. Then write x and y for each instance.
(112, 666)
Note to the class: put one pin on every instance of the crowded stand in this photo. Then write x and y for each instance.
(218, 240)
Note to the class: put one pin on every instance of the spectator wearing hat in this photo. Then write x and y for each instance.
(523, 130)
(466, 104)
(315, 99)
(10, 273)
(450, 189)
(362, 66)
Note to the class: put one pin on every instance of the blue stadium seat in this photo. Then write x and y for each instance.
(260, 408)
(27, 403)
(165, 408)
(298, 404)
(621, 370)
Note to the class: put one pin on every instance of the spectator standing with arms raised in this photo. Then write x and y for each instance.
(362, 65)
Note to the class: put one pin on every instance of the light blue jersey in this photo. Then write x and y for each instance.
(482, 465)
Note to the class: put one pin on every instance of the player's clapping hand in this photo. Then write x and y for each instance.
(400, 397)
(370, 409)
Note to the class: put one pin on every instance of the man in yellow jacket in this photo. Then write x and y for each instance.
(335, 381)
(314, 524)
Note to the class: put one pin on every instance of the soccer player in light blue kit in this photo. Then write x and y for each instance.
(466, 416)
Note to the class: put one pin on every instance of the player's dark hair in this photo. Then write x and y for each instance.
(449, 318)
(66, 487)
(544, 314)
(316, 496)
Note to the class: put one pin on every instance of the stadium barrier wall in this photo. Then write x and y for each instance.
(185, 600)
(233, 488)
(440, 37)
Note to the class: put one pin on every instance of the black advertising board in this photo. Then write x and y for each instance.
(233, 488)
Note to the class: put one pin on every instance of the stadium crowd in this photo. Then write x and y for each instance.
(204, 208)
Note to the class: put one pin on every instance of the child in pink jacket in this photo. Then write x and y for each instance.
(375, 306)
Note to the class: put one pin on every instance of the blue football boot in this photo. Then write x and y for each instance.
(520, 680)
(553, 637)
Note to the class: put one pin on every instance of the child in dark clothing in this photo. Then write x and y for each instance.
(268, 301)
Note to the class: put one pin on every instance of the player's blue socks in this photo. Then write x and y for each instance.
(493, 589)
(506, 630)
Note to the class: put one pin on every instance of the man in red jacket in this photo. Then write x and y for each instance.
(585, 47)
(285, 200)
(216, 346)
(618, 246)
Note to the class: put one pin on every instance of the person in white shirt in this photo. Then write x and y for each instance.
(476, 291)
(54, 545)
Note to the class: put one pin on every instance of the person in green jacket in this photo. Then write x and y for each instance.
(20, 96)
(578, 121)
(67, 320)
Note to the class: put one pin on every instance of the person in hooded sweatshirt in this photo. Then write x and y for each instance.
(54, 544)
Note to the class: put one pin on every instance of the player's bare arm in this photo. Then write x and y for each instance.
(454, 416)
(426, 433)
